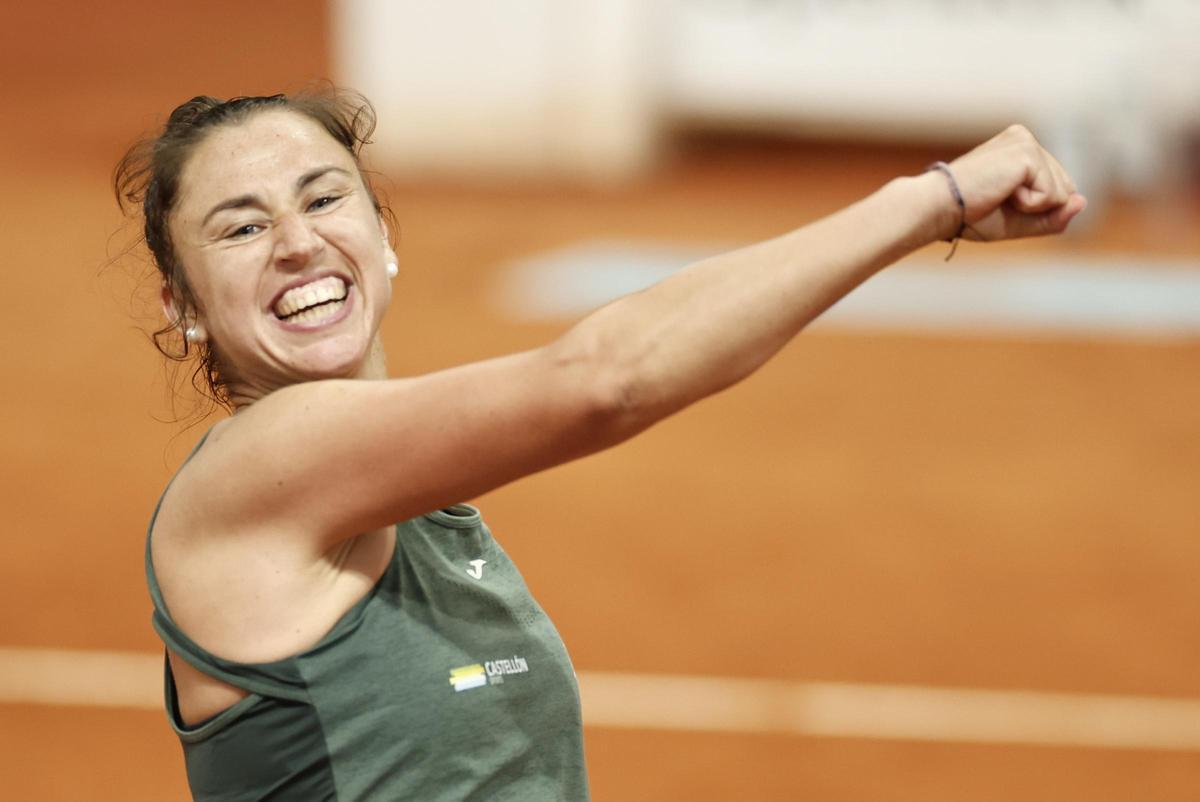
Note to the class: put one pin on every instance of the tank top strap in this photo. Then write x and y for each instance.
(281, 679)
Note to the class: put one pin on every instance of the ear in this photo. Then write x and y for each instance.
(170, 307)
(388, 251)
(176, 316)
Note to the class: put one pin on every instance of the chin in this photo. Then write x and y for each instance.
(334, 360)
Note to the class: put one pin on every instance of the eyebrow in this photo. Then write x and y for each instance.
(242, 201)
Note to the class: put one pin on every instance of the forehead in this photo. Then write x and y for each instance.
(268, 148)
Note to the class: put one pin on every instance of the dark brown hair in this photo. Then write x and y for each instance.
(148, 177)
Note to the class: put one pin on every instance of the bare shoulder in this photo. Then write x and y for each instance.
(252, 592)
(229, 489)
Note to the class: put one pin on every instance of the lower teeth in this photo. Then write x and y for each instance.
(317, 313)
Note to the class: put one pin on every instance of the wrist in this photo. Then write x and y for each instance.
(935, 213)
(956, 193)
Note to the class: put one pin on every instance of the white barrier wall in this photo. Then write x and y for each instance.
(503, 85)
(1110, 85)
(583, 86)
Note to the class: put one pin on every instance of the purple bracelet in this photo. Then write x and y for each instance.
(958, 198)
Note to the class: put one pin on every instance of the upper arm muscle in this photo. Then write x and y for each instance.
(335, 458)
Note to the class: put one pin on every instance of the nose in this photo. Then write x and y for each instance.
(296, 241)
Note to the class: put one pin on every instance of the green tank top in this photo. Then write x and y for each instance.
(445, 682)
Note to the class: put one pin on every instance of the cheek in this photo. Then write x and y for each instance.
(199, 289)
(223, 292)
(361, 245)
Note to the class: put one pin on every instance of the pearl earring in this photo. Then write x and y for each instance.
(191, 335)
(393, 269)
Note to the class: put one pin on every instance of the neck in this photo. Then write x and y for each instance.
(375, 365)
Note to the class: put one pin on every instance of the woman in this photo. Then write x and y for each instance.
(316, 648)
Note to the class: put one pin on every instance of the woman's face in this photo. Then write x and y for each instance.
(284, 251)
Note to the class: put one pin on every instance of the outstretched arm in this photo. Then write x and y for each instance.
(720, 319)
(325, 460)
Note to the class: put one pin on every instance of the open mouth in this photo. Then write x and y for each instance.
(312, 303)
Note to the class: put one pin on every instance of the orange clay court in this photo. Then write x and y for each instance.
(877, 509)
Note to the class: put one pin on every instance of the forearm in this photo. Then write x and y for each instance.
(718, 320)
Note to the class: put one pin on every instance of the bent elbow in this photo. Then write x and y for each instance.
(620, 403)
(613, 400)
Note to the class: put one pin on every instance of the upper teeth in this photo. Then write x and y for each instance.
(330, 288)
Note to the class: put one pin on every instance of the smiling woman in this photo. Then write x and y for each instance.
(259, 230)
(318, 649)
(233, 207)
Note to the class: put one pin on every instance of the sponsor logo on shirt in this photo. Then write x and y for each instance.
(467, 677)
(490, 672)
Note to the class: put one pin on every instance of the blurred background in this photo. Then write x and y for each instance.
(942, 548)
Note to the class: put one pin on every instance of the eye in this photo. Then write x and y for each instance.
(323, 201)
(243, 231)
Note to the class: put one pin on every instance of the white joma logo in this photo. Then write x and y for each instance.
(476, 569)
